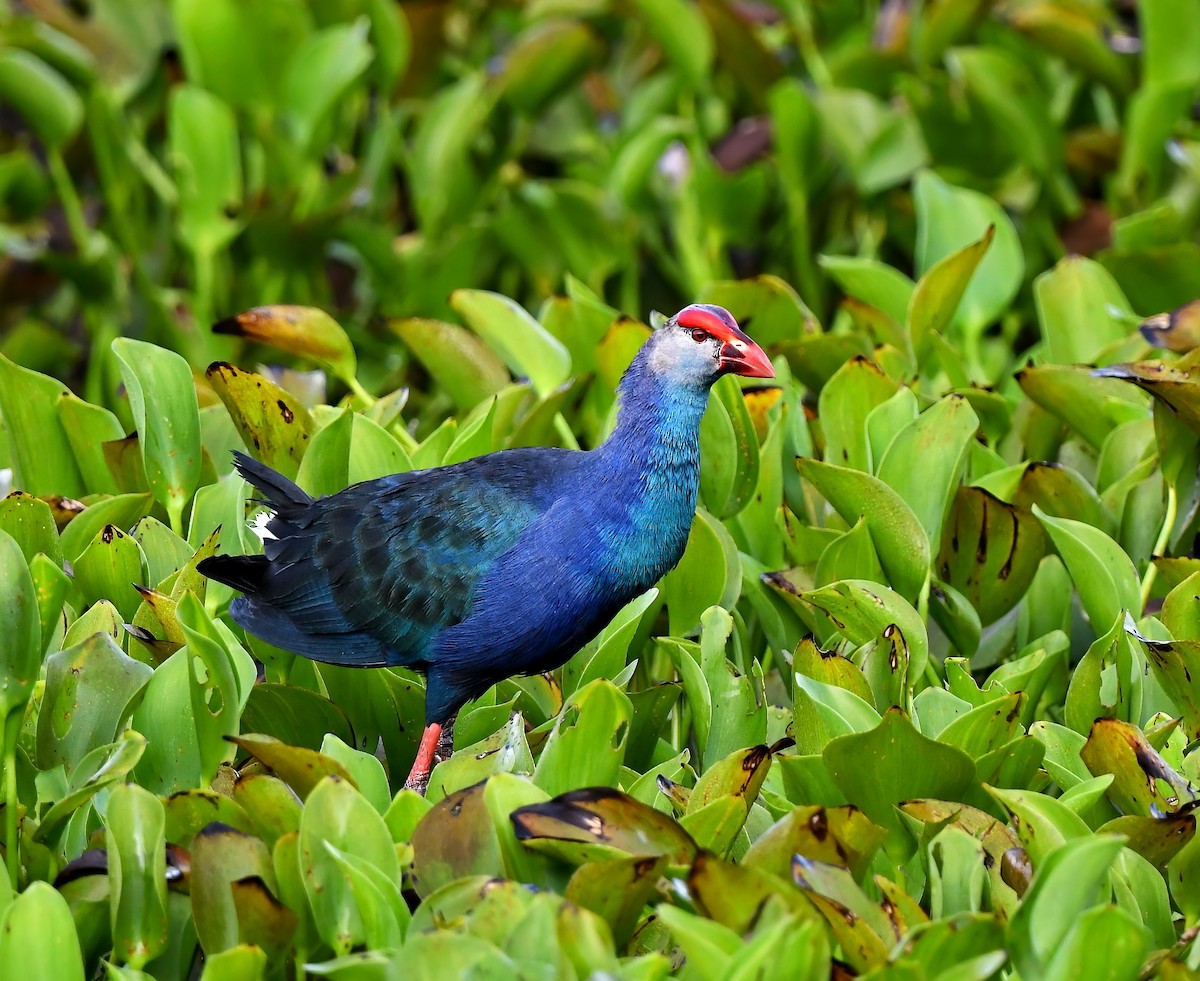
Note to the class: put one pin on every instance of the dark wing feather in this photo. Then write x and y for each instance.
(373, 574)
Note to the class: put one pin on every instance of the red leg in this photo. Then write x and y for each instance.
(418, 777)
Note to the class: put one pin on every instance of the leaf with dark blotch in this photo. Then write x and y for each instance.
(273, 424)
(301, 769)
(1062, 493)
(191, 811)
(740, 774)
(601, 823)
(735, 895)
(837, 835)
(1091, 406)
(1156, 839)
(831, 668)
(996, 838)
(617, 890)
(1144, 784)
(305, 331)
(1177, 331)
(1176, 665)
(1176, 385)
(990, 552)
(860, 926)
(456, 838)
(262, 919)
(716, 825)
(269, 803)
(222, 855)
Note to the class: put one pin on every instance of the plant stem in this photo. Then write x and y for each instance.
(1164, 536)
(69, 198)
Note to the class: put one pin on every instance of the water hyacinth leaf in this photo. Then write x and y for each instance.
(504, 751)
(716, 826)
(735, 895)
(41, 95)
(1171, 662)
(990, 551)
(892, 763)
(1062, 493)
(100, 767)
(109, 568)
(296, 716)
(377, 895)
(38, 937)
(950, 219)
(301, 769)
(616, 890)
(852, 555)
(42, 458)
(831, 668)
(1107, 682)
(682, 33)
(52, 585)
(245, 962)
(899, 539)
(122, 511)
(704, 576)
(1079, 308)
(1156, 839)
(1104, 576)
(886, 421)
(304, 331)
(1092, 406)
(859, 925)
(1176, 386)
(587, 744)
(319, 74)
(1043, 823)
(865, 611)
(208, 170)
(957, 618)
(597, 824)
(221, 856)
(837, 835)
(336, 814)
(136, 844)
(843, 406)
(925, 462)
(30, 523)
(89, 690)
(463, 365)
(273, 424)
(940, 290)
(191, 811)
(545, 60)
(21, 644)
(1068, 883)
(89, 428)
(162, 398)
(524, 344)
(986, 727)
(740, 774)
(366, 771)
(729, 455)
(455, 839)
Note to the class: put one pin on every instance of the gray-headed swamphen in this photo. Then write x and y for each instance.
(502, 565)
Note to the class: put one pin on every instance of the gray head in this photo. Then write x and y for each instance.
(701, 343)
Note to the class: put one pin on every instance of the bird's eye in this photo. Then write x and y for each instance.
(699, 336)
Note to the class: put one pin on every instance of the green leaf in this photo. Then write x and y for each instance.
(587, 744)
(463, 364)
(42, 457)
(136, 843)
(21, 638)
(336, 814)
(899, 539)
(524, 344)
(319, 73)
(50, 106)
(207, 162)
(845, 403)
(162, 398)
(925, 462)
(950, 219)
(305, 331)
(893, 763)
(1079, 307)
(270, 420)
(683, 34)
(1103, 574)
(38, 938)
(1069, 883)
(729, 454)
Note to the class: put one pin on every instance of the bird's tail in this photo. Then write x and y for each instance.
(248, 572)
(278, 492)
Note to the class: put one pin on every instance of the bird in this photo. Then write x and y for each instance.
(503, 564)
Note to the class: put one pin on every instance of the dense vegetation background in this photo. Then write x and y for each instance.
(919, 702)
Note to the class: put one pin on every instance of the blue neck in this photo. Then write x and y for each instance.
(651, 464)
